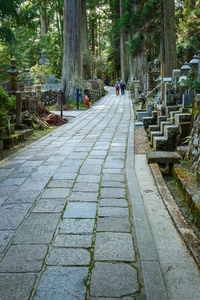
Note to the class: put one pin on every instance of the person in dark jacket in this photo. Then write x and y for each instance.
(122, 86)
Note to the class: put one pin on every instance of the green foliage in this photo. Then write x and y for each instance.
(135, 45)
(192, 81)
(7, 104)
(40, 73)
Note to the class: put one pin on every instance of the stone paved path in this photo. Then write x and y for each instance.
(66, 218)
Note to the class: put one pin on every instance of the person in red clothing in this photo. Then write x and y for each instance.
(117, 86)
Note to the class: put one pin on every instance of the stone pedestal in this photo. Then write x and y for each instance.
(38, 88)
(136, 88)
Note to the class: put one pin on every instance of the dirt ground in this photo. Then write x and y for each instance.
(142, 144)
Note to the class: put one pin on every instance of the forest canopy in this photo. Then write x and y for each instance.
(122, 35)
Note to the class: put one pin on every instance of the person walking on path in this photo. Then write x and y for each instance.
(117, 86)
(122, 86)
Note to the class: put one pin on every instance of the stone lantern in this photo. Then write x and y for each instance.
(13, 73)
(194, 63)
(184, 73)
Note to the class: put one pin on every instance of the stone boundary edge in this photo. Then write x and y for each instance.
(190, 239)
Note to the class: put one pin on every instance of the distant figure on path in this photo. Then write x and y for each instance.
(117, 86)
(108, 81)
(122, 86)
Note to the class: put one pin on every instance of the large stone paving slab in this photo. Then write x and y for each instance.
(114, 224)
(80, 210)
(68, 257)
(114, 202)
(56, 193)
(62, 183)
(23, 258)
(12, 181)
(113, 280)
(16, 286)
(84, 197)
(113, 177)
(86, 187)
(115, 184)
(113, 192)
(50, 205)
(5, 191)
(38, 229)
(76, 226)
(90, 169)
(119, 212)
(114, 246)
(75, 240)
(88, 178)
(59, 283)
(11, 216)
(5, 237)
(33, 184)
(23, 197)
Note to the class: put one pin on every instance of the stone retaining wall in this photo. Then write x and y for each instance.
(193, 154)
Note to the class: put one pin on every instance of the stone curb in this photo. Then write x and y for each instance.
(190, 239)
(153, 280)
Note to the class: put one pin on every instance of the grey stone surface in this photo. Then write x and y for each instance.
(113, 193)
(38, 228)
(113, 280)
(119, 212)
(5, 237)
(115, 164)
(68, 257)
(23, 197)
(94, 161)
(11, 216)
(73, 240)
(113, 171)
(50, 205)
(32, 163)
(113, 177)
(80, 210)
(65, 176)
(56, 193)
(88, 178)
(114, 224)
(153, 280)
(114, 202)
(84, 197)
(90, 169)
(116, 184)
(12, 181)
(2, 200)
(16, 286)
(33, 184)
(86, 187)
(76, 226)
(114, 246)
(5, 191)
(5, 172)
(60, 283)
(23, 258)
(61, 183)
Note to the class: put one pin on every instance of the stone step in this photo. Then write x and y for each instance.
(150, 120)
(161, 131)
(168, 141)
(171, 157)
(179, 118)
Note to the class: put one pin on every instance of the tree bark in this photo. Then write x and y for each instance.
(169, 37)
(124, 58)
(72, 52)
(43, 18)
(85, 44)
